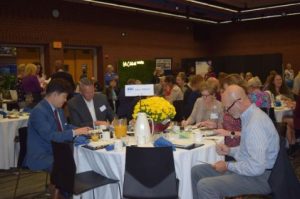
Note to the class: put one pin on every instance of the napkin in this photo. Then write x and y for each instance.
(162, 142)
(3, 113)
(111, 147)
(79, 140)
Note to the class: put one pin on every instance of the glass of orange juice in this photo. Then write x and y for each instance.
(120, 126)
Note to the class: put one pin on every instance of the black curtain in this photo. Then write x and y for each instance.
(258, 65)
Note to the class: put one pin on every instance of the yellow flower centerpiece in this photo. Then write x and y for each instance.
(157, 108)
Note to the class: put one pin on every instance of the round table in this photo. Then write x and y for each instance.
(8, 131)
(112, 165)
(282, 111)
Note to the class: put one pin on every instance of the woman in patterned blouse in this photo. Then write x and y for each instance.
(256, 95)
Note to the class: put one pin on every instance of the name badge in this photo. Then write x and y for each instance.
(102, 108)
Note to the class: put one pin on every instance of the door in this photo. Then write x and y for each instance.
(79, 62)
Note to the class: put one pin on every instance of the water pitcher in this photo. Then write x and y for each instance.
(142, 129)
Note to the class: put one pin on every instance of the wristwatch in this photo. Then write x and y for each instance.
(232, 134)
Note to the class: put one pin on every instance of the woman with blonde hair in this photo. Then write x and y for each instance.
(31, 84)
(206, 109)
(256, 95)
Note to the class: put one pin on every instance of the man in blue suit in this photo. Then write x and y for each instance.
(47, 123)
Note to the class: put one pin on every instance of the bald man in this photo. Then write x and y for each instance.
(255, 156)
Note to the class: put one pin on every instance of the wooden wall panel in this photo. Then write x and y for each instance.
(146, 36)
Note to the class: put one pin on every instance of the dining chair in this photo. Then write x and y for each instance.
(150, 173)
(22, 139)
(283, 180)
(65, 178)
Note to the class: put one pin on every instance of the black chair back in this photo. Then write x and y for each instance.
(64, 168)
(150, 173)
(178, 104)
(281, 128)
(23, 146)
(283, 181)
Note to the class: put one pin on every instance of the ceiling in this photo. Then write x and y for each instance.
(213, 11)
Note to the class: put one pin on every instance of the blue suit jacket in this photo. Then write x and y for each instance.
(42, 129)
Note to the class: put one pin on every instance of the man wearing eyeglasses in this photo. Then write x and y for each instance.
(255, 156)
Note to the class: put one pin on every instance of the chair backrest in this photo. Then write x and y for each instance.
(178, 104)
(64, 168)
(281, 128)
(283, 181)
(23, 146)
(150, 173)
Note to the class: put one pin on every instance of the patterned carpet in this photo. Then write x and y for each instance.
(32, 185)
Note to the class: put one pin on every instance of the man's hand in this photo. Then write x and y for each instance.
(82, 131)
(222, 149)
(98, 123)
(222, 132)
(220, 166)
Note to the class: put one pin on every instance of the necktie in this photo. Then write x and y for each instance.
(59, 128)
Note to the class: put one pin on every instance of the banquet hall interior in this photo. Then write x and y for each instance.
(165, 43)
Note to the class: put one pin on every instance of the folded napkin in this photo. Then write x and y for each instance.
(3, 113)
(162, 142)
(111, 147)
(79, 140)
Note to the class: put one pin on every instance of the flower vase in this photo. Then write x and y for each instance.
(159, 127)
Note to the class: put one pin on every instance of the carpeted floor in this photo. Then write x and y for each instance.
(32, 185)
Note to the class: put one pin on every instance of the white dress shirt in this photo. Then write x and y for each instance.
(90, 105)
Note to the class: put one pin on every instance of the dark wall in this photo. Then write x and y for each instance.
(259, 65)
(271, 36)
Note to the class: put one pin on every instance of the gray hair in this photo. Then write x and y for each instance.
(86, 82)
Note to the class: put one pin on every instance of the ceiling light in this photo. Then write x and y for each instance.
(263, 17)
(270, 7)
(203, 20)
(224, 22)
(212, 6)
(149, 11)
(135, 8)
(292, 14)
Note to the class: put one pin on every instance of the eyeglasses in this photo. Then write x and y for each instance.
(233, 103)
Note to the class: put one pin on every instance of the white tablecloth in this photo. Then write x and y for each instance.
(8, 131)
(112, 165)
(280, 112)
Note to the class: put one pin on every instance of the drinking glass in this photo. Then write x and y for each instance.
(120, 126)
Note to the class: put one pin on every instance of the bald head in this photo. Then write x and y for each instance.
(234, 92)
(235, 100)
